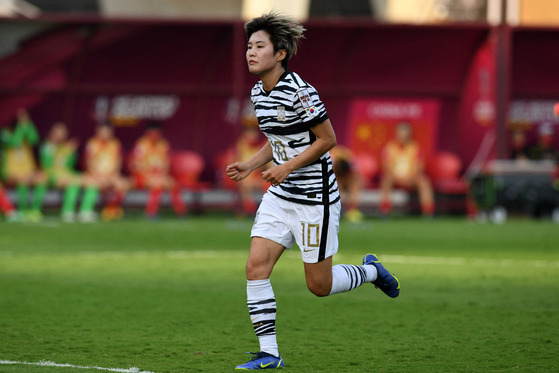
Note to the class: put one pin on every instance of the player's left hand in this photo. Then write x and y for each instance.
(277, 174)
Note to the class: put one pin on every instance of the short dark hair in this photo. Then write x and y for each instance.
(153, 125)
(284, 32)
(404, 124)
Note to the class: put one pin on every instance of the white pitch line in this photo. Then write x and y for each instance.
(44, 363)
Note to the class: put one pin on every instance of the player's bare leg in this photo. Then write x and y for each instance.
(425, 191)
(386, 185)
(319, 277)
(262, 258)
(155, 185)
(179, 205)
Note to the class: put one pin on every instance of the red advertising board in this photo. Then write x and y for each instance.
(372, 123)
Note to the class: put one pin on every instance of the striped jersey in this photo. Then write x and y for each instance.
(286, 115)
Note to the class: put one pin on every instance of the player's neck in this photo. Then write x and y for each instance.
(271, 77)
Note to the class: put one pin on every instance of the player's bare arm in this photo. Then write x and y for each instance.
(239, 170)
(325, 140)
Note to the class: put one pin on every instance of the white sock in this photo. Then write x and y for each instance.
(261, 304)
(346, 277)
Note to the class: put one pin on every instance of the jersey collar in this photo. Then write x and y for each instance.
(282, 76)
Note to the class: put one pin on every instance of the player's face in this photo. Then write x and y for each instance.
(260, 53)
(105, 132)
(153, 134)
(59, 133)
(403, 134)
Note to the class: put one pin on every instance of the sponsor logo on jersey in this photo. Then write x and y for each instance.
(281, 113)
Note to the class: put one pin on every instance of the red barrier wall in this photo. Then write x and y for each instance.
(62, 74)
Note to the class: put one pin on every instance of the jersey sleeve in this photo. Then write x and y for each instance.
(309, 107)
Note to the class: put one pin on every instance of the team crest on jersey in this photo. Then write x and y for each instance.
(307, 102)
(281, 113)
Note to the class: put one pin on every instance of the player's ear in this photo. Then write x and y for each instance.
(281, 55)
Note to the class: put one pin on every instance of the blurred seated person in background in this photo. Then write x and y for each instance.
(58, 160)
(103, 163)
(149, 165)
(518, 146)
(403, 166)
(545, 147)
(349, 181)
(6, 206)
(249, 143)
(19, 167)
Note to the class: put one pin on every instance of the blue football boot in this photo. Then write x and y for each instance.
(262, 360)
(385, 281)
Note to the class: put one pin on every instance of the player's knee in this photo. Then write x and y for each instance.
(319, 289)
(256, 271)
(251, 271)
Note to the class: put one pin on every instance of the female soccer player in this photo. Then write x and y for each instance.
(303, 203)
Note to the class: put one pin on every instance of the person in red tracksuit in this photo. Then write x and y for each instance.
(149, 165)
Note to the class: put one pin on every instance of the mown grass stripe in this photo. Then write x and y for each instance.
(399, 259)
(431, 260)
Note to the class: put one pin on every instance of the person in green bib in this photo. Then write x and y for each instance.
(58, 160)
(19, 167)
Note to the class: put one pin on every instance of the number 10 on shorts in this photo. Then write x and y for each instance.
(311, 234)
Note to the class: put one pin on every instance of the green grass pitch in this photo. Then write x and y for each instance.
(169, 296)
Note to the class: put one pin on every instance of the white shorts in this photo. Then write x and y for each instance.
(313, 227)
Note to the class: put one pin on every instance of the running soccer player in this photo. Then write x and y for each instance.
(303, 203)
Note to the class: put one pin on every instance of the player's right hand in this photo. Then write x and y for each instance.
(238, 171)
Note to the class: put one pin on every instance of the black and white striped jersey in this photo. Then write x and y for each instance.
(286, 115)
